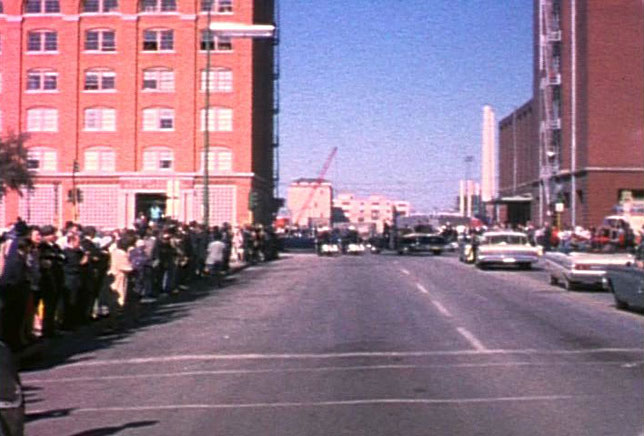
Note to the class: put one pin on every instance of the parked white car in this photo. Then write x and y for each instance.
(505, 248)
(581, 267)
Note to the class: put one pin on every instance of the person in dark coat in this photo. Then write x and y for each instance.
(74, 269)
(14, 289)
(50, 279)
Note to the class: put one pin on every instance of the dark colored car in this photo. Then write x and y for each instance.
(421, 243)
(12, 406)
(627, 285)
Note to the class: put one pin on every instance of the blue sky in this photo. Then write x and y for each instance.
(398, 87)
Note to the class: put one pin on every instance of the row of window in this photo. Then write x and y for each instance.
(106, 6)
(104, 41)
(102, 119)
(103, 159)
(158, 79)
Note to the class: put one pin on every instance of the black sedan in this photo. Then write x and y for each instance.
(421, 243)
(12, 406)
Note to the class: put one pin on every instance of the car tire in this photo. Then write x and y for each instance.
(568, 285)
(526, 266)
(621, 305)
(554, 281)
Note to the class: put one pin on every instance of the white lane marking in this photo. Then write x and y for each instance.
(478, 346)
(368, 402)
(357, 354)
(441, 308)
(422, 289)
(404, 271)
(223, 372)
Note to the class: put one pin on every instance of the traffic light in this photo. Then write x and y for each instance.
(253, 200)
(77, 198)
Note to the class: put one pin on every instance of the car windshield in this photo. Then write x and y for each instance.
(506, 239)
(430, 240)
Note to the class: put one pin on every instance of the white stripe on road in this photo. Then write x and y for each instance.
(422, 289)
(363, 402)
(441, 308)
(357, 354)
(404, 271)
(361, 368)
(478, 346)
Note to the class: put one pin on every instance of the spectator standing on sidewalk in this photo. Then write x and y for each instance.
(14, 287)
(74, 269)
(120, 267)
(51, 257)
(215, 258)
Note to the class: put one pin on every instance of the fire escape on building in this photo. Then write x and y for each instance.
(550, 106)
(276, 102)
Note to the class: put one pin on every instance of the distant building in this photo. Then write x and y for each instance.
(309, 202)
(113, 97)
(488, 155)
(469, 198)
(371, 212)
(579, 141)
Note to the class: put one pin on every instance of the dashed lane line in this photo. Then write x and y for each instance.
(404, 271)
(441, 309)
(478, 346)
(421, 288)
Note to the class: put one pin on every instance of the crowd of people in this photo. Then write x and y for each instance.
(56, 280)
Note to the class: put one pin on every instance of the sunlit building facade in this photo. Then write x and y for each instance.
(112, 96)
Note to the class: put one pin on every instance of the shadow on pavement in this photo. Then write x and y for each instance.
(106, 431)
(107, 332)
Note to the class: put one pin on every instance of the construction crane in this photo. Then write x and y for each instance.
(316, 185)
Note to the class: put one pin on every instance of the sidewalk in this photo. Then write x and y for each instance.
(95, 328)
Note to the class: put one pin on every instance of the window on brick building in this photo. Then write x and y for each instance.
(217, 6)
(42, 7)
(100, 79)
(158, 5)
(100, 6)
(220, 119)
(100, 40)
(41, 119)
(220, 160)
(158, 40)
(41, 159)
(100, 119)
(158, 119)
(158, 79)
(214, 42)
(100, 159)
(1, 7)
(158, 159)
(42, 80)
(42, 41)
(219, 80)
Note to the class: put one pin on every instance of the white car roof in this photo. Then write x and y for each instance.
(502, 233)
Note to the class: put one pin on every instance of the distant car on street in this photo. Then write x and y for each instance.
(505, 248)
(12, 406)
(421, 243)
(582, 266)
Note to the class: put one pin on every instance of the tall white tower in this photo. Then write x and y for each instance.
(488, 155)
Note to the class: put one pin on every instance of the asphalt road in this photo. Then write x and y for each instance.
(370, 345)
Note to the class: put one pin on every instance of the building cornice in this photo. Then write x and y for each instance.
(129, 175)
(123, 16)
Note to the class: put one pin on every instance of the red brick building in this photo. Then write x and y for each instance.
(112, 94)
(580, 140)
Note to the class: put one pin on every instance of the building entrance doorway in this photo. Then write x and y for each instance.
(146, 203)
